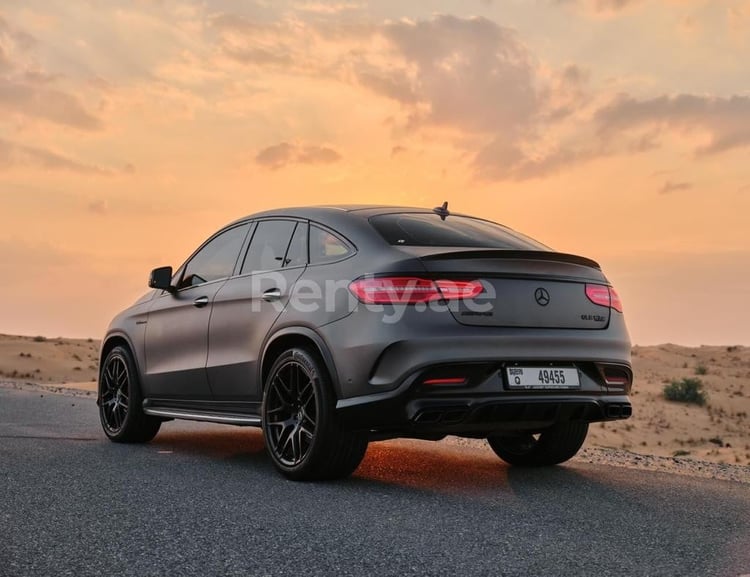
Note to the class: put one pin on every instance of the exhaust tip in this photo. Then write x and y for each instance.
(613, 411)
(618, 411)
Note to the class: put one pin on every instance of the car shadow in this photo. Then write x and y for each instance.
(421, 466)
(461, 471)
(218, 442)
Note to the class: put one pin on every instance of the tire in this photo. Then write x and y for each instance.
(119, 400)
(300, 429)
(550, 447)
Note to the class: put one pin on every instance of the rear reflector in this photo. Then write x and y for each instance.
(615, 375)
(604, 295)
(447, 381)
(410, 290)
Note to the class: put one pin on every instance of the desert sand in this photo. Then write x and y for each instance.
(719, 431)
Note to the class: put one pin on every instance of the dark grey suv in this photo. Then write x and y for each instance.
(332, 326)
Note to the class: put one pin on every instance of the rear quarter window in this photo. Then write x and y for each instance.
(425, 229)
(326, 246)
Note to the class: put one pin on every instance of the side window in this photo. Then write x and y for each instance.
(326, 246)
(269, 246)
(216, 259)
(297, 253)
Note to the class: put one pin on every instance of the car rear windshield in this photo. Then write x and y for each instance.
(425, 229)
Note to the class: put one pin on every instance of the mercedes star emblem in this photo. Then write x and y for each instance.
(542, 297)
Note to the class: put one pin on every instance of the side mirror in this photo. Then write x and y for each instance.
(161, 278)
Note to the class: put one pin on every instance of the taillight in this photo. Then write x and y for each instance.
(410, 290)
(452, 289)
(615, 303)
(604, 295)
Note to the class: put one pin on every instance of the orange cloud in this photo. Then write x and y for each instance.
(670, 186)
(28, 90)
(12, 154)
(283, 154)
(726, 120)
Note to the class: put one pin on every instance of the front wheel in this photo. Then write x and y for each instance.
(550, 447)
(120, 411)
(300, 428)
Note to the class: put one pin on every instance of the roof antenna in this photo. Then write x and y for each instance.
(442, 211)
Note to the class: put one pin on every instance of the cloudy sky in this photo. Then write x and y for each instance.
(617, 129)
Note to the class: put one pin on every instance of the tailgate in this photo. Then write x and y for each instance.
(537, 289)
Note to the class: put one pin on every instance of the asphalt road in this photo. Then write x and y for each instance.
(205, 500)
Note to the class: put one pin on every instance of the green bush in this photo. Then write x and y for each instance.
(701, 370)
(686, 390)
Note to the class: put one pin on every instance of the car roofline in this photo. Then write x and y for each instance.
(364, 211)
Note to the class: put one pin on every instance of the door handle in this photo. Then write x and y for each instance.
(273, 294)
(200, 302)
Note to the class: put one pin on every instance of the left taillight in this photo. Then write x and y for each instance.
(411, 290)
(603, 295)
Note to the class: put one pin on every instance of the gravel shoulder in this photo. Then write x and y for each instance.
(631, 460)
(593, 455)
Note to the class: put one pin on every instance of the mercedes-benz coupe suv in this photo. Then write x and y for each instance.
(329, 327)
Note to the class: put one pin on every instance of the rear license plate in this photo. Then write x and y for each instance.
(543, 378)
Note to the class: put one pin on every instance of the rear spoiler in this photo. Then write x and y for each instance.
(514, 254)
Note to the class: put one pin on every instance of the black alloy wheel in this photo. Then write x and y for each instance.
(115, 385)
(119, 400)
(300, 428)
(291, 413)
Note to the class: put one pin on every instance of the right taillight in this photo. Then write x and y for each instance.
(604, 296)
(615, 301)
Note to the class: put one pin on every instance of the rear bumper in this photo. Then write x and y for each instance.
(371, 357)
(402, 416)
(381, 371)
(485, 404)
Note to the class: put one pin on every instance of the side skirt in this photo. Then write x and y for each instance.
(244, 415)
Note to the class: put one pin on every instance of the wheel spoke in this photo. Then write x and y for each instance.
(306, 416)
(283, 391)
(282, 450)
(109, 380)
(296, 448)
(307, 393)
(304, 430)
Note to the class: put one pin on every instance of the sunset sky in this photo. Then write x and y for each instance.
(617, 129)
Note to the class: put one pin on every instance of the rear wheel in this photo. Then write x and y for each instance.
(550, 447)
(120, 411)
(300, 428)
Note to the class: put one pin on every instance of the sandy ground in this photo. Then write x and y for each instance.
(718, 432)
(49, 360)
